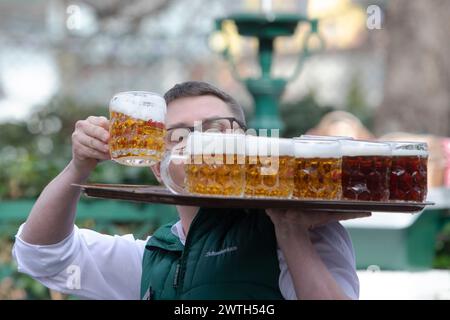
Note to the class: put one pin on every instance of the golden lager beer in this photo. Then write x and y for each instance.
(213, 164)
(269, 165)
(317, 173)
(215, 177)
(137, 128)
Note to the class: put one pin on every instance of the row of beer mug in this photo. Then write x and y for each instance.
(308, 167)
(301, 168)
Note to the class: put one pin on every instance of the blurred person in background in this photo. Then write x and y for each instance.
(341, 123)
(446, 146)
(206, 254)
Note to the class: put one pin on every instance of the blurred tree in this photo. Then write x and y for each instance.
(302, 115)
(442, 260)
(417, 81)
(357, 104)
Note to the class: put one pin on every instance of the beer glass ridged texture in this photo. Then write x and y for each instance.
(137, 128)
(269, 167)
(317, 172)
(408, 179)
(365, 170)
(216, 166)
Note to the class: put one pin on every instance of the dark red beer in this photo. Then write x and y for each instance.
(408, 178)
(365, 170)
(365, 178)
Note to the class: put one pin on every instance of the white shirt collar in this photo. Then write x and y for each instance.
(177, 230)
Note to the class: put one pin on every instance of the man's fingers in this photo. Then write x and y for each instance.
(275, 214)
(332, 217)
(92, 143)
(99, 121)
(272, 211)
(92, 130)
(353, 215)
(310, 219)
(84, 152)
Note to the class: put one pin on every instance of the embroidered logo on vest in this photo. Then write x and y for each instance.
(218, 253)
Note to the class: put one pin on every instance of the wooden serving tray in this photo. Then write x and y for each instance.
(159, 194)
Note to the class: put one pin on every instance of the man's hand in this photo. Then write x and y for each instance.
(311, 278)
(291, 221)
(309, 220)
(90, 144)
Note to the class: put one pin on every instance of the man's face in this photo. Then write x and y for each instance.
(184, 112)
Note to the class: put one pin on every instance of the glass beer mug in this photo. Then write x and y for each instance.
(209, 164)
(137, 128)
(317, 173)
(408, 178)
(365, 170)
(269, 167)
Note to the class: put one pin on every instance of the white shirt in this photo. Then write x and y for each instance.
(92, 265)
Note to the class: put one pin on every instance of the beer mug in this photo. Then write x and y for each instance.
(209, 164)
(317, 173)
(137, 128)
(365, 170)
(408, 178)
(269, 167)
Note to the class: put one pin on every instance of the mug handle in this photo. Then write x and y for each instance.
(165, 172)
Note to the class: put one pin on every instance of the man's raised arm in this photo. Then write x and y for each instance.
(52, 217)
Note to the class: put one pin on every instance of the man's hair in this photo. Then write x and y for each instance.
(198, 88)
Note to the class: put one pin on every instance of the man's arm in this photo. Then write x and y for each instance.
(87, 264)
(82, 262)
(52, 217)
(310, 276)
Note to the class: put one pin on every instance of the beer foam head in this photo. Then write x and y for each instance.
(140, 105)
(408, 148)
(209, 143)
(315, 148)
(267, 146)
(353, 148)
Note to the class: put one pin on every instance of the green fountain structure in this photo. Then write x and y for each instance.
(265, 89)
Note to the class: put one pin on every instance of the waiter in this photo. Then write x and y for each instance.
(206, 254)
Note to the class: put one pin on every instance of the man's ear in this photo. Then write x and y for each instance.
(156, 169)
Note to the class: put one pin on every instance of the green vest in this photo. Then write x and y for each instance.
(229, 254)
